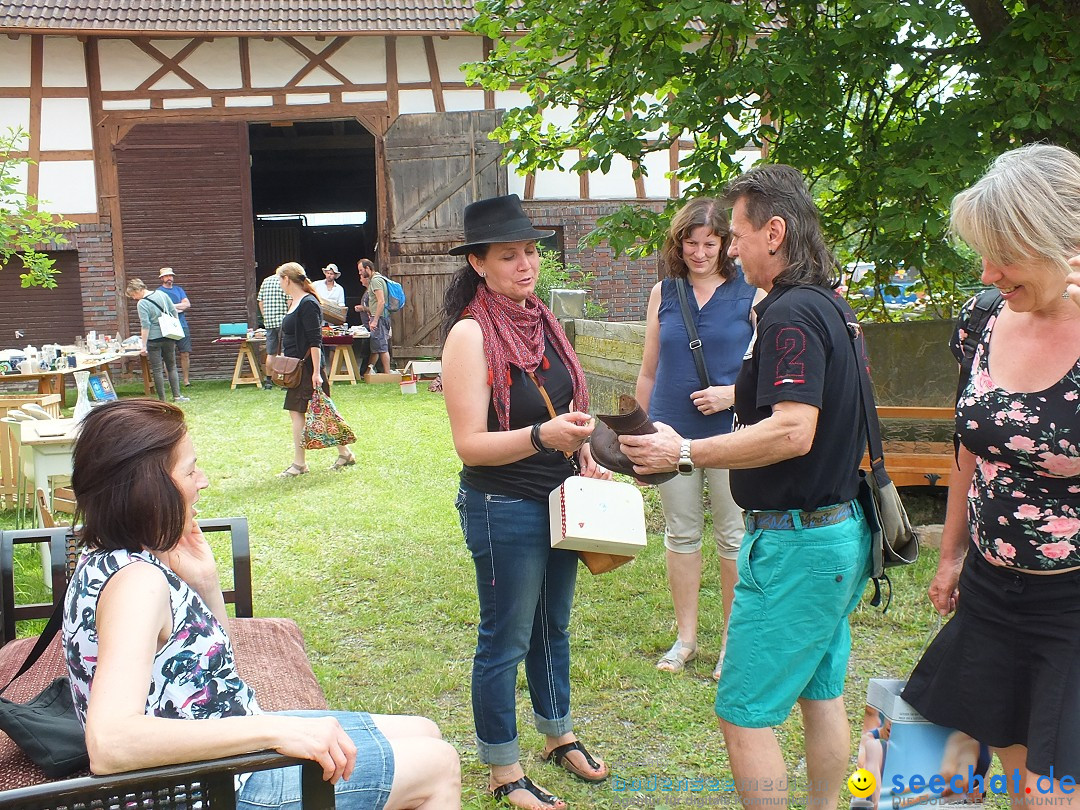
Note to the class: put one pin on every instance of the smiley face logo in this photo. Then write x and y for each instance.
(861, 783)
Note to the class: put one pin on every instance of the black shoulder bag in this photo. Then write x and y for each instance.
(46, 728)
(691, 330)
(892, 539)
(986, 304)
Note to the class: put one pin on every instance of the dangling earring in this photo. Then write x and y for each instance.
(772, 251)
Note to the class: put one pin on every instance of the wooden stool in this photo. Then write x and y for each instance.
(342, 365)
(246, 376)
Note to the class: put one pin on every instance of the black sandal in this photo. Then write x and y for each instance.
(525, 783)
(558, 756)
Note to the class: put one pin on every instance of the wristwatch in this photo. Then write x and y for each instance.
(685, 465)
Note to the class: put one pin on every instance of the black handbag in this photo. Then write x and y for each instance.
(46, 728)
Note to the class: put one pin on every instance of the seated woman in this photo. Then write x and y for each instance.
(145, 607)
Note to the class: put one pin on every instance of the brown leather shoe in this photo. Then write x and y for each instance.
(631, 420)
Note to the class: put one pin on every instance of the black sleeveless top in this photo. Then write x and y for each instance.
(535, 476)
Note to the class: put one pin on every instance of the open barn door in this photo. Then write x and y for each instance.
(437, 164)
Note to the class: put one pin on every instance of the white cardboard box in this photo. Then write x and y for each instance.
(588, 514)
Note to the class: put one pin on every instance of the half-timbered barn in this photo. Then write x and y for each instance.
(223, 137)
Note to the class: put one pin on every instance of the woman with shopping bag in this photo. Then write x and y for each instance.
(301, 337)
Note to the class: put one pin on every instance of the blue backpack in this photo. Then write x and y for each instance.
(395, 295)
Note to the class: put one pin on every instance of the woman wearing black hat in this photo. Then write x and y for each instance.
(504, 355)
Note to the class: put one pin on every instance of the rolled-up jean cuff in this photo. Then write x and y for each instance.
(554, 728)
(506, 753)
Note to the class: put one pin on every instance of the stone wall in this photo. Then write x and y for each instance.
(910, 362)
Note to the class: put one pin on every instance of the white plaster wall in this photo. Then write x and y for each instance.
(307, 98)
(616, 184)
(505, 99)
(64, 63)
(123, 66)
(65, 124)
(186, 103)
(15, 62)
(169, 47)
(552, 184)
(451, 53)
(415, 101)
(273, 63)
(249, 101)
(132, 104)
(319, 78)
(15, 112)
(411, 60)
(170, 81)
(361, 96)
(362, 59)
(657, 183)
(216, 64)
(463, 100)
(67, 186)
(515, 183)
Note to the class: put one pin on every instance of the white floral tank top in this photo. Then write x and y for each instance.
(194, 673)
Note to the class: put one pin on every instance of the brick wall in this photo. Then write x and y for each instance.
(99, 294)
(622, 285)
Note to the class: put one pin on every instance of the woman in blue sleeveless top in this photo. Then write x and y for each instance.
(670, 388)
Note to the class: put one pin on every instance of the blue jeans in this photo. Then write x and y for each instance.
(367, 789)
(525, 589)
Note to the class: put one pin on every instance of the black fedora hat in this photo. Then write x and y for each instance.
(497, 219)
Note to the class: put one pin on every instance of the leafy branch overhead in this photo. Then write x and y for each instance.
(24, 230)
(889, 108)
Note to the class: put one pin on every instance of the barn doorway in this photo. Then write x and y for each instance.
(313, 197)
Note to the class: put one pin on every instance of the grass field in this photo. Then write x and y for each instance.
(371, 563)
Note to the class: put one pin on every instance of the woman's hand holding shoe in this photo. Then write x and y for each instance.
(589, 467)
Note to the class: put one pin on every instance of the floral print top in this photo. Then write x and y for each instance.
(1024, 501)
(194, 673)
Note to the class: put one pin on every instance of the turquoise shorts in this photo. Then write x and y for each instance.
(788, 637)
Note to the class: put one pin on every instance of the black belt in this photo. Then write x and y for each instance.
(794, 519)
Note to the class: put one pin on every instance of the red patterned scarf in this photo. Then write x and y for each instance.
(514, 336)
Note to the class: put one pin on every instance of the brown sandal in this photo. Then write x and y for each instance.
(292, 471)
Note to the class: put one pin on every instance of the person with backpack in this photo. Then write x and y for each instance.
(1009, 564)
(374, 305)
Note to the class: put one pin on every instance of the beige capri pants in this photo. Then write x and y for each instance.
(683, 499)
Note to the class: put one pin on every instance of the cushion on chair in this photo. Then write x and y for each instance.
(269, 655)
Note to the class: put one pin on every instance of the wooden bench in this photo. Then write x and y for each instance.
(270, 656)
(918, 462)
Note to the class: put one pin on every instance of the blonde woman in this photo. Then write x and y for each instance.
(301, 337)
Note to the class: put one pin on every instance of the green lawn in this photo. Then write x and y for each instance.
(371, 564)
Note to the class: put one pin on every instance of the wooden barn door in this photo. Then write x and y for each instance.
(437, 163)
(185, 203)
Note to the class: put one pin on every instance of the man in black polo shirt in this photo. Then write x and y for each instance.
(794, 460)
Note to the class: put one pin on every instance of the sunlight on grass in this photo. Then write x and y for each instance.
(371, 564)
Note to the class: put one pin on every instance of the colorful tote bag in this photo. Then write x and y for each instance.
(323, 425)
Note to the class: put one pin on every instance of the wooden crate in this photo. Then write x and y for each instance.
(9, 454)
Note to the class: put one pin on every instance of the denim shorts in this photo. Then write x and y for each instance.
(367, 789)
(789, 637)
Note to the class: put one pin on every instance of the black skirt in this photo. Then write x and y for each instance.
(297, 399)
(1006, 668)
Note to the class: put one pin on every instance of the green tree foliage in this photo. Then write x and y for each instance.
(23, 228)
(889, 108)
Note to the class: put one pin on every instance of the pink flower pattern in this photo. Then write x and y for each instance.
(1024, 501)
